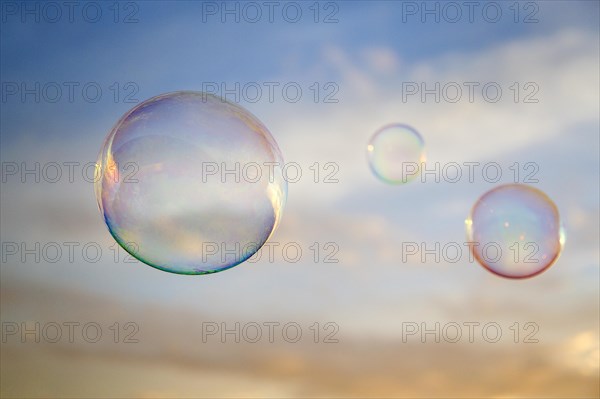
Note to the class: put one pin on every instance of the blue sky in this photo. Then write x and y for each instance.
(171, 48)
(368, 54)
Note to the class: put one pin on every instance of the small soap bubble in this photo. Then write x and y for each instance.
(396, 153)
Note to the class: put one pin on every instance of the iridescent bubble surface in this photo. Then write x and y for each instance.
(190, 184)
(396, 153)
(515, 231)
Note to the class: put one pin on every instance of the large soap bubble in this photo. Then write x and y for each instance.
(189, 183)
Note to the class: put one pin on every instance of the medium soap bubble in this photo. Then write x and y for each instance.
(515, 231)
(396, 153)
(189, 183)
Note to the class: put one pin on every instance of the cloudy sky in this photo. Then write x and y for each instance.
(362, 57)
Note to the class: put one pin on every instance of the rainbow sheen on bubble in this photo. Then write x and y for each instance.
(515, 231)
(396, 153)
(183, 184)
